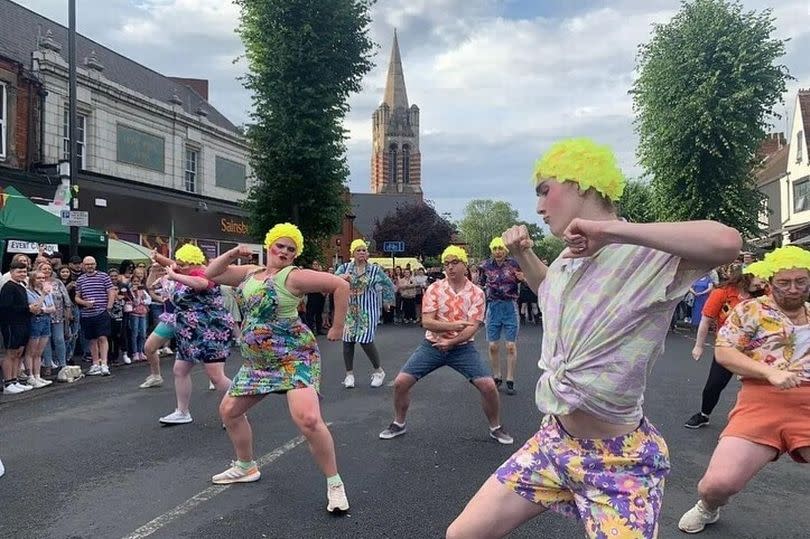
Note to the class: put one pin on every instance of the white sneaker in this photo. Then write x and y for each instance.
(23, 387)
(34, 382)
(13, 389)
(211, 386)
(237, 474)
(337, 498)
(176, 418)
(105, 370)
(696, 519)
(377, 378)
(348, 382)
(95, 370)
(44, 383)
(127, 359)
(166, 351)
(152, 381)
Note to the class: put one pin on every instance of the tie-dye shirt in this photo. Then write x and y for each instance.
(761, 331)
(605, 322)
(449, 306)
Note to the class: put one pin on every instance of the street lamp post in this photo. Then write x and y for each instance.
(72, 128)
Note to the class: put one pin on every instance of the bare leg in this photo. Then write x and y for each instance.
(489, 400)
(103, 349)
(182, 383)
(402, 396)
(94, 352)
(493, 512)
(232, 411)
(495, 359)
(511, 361)
(11, 363)
(306, 413)
(216, 373)
(153, 344)
(28, 355)
(805, 453)
(734, 463)
(35, 362)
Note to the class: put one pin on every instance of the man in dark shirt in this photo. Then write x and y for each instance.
(15, 325)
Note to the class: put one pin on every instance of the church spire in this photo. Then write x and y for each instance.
(395, 94)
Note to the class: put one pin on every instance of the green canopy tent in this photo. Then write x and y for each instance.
(120, 250)
(21, 219)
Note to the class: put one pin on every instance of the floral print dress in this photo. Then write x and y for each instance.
(280, 352)
(204, 329)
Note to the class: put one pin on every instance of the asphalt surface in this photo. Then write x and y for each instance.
(90, 459)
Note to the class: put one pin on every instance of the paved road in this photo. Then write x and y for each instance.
(90, 459)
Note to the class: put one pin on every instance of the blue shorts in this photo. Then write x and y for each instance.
(464, 358)
(40, 326)
(502, 317)
(164, 331)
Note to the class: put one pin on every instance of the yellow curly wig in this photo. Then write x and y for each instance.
(285, 230)
(759, 269)
(585, 162)
(788, 257)
(358, 244)
(456, 251)
(496, 242)
(190, 254)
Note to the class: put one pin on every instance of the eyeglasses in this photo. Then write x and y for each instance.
(786, 284)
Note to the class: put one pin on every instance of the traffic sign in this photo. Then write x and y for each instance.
(75, 218)
(393, 246)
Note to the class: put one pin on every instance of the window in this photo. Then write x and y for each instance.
(406, 164)
(392, 163)
(81, 124)
(192, 158)
(3, 120)
(801, 195)
(765, 213)
(799, 146)
(230, 175)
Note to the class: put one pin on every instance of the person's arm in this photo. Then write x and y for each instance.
(80, 301)
(430, 323)
(463, 336)
(699, 244)
(112, 293)
(198, 284)
(386, 287)
(222, 271)
(702, 332)
(739, 363)
(520, 245)
(301, 282)
(161, 260)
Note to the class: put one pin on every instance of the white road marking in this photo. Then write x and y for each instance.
(187, 506)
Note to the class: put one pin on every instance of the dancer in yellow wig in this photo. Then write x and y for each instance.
(595, 353)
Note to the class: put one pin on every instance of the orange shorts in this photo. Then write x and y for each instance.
(770, 416)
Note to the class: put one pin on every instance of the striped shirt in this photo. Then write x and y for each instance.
(367, 292)
(94, 288)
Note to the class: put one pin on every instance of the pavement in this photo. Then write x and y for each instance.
(90, 460)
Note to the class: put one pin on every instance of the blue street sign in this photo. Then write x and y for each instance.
(393, 246)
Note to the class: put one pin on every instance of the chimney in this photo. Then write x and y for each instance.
(198, 85)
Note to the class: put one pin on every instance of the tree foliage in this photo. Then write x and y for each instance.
(548, 248)
(305, 58)
(638, 203)
(708, 82)
(483, 220)
(425, 232)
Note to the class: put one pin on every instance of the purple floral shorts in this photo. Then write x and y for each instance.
(615, 486)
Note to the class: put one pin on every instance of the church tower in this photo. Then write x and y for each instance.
(396, 165)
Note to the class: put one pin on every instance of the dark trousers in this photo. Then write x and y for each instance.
(314, 313)
(115, 340)
(719, 378)
(409, 308)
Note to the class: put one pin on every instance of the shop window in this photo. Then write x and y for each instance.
(192, 160)
(801, 195)
(81, 139)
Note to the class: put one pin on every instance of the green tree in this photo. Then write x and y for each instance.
(305, 58)
(708, 83)
(638, 204)
(483, 220)
(424, 231)
(548, 248)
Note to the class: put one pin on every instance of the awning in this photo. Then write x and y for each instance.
(118, 250)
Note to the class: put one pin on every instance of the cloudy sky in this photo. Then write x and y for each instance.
(496, 80)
